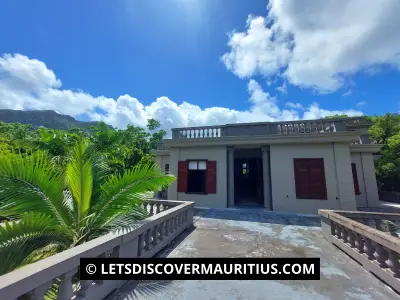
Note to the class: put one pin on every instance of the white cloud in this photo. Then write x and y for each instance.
(317, 44)
(294, 105)
(348, 93)
(361, 104)
(29, 84)
(282, 88)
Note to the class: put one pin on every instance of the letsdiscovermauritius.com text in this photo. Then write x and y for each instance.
(188, 269)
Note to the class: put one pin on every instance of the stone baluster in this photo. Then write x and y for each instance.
(147, 242)
(166, 230)
(369, 248)
(151, 209)
(141, 244)
(171, 225)
(339, 229)
(307, 127)
(333, 228)
(289, 129)
(381, 255)
(359, 243)
(180, 219)
(154, 234)
(345, 234)
(314, 127)
(158, 208)
(351, 238)
(65, 290)
(161, 229)
(393, 263)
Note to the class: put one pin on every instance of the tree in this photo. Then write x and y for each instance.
(53, 208)
(386, 130)
(337, 116)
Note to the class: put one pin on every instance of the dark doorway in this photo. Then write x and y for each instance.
(248, 181)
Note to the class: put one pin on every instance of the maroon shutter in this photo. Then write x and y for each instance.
(301, 178)
(182, 176)
(317, 179)
(211, 177)
(355, 179)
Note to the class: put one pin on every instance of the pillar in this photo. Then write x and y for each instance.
(371, 188)
(173, 169)
(344, 177)
(266, 178)
(231, 177)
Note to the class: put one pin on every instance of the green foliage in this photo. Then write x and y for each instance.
(337, 116)
(62, 188)
(49, 206)
(386, 130)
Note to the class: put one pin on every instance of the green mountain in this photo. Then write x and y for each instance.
(45, 118)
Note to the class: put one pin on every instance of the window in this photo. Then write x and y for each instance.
(245, 168)
(197, 176)
(309, 176)
(355, 179)
(166, 168)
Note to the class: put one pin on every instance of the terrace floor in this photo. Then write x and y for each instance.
(258, 233)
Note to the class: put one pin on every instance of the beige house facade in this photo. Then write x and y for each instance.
(296, 166)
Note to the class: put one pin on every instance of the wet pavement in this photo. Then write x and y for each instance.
(258, 233)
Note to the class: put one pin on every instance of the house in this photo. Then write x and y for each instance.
(295, 166)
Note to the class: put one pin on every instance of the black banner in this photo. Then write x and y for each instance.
(200, 269)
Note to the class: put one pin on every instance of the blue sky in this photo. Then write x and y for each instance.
(200, 62)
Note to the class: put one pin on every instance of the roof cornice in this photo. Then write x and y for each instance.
(341, 137)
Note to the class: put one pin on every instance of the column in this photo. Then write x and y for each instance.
(173, 169)
(266, 178)
(344, 178)
(371, 188)
(231, 178)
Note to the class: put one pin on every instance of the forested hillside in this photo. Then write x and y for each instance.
(46, 118)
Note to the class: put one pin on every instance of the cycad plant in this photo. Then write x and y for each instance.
(50, 208)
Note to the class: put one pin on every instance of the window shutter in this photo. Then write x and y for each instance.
(355, 179)
(182, 176)
(211, 177)
(317, 179)
(301, 178)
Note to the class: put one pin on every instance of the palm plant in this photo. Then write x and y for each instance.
(51, 208)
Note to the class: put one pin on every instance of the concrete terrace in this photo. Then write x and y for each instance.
(258, 233)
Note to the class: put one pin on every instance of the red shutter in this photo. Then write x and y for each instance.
(317, 178)
(211, 177)
(301, 178)
(182, 176)
(355, 179)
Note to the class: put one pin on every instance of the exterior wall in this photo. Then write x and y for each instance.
(337, 164)
(371, 188)
(162, 160)
(219, 154)
(361, 200)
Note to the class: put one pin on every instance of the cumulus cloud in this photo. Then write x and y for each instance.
(348, 93)
(282, 89)
(30, 85)
(317, 44)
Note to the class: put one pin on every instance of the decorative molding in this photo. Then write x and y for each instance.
(340, 137)
(369, 148)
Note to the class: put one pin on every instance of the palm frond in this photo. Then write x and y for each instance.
(126, 193)
(80, 180)
(19, 239)
(29, 182)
